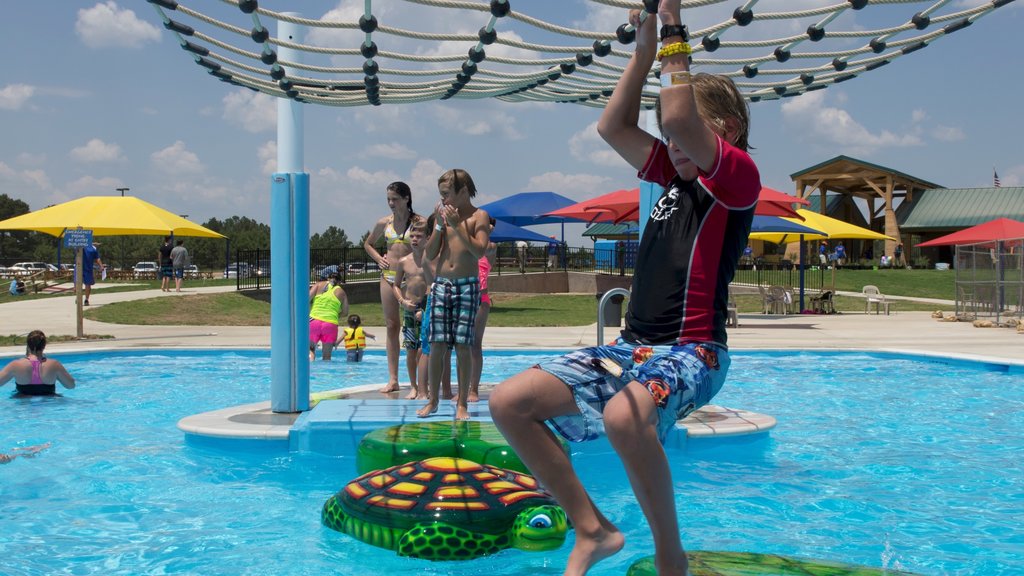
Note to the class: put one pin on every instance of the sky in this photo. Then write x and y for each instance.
(97, 96)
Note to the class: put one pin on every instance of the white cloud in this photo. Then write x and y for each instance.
(918, 115)
(106, 25)
(14, 96)
(385, 119)
(581, 186)
(378, 179)
(24, 180)
(423, 181)
(97, 150)
(394, 151)
(29, 159)
(836, 127)
(587, 145)
(92, 186)
(176, 159)
(252, 111)
(477, 122)
(267, 155)
(947, 133)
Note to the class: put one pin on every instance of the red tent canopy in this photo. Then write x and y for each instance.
(998, 229)
(624, 205)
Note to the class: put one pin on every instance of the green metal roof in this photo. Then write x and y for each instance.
(956, 208)
(604, 229)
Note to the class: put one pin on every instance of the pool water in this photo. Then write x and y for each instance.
(884, 460)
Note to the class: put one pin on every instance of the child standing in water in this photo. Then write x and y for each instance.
(355, 339)
(461, 234)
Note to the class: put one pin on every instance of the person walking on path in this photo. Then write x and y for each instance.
(461, 234)
(671, 358)
(163, 256)
(90, 258)
(394, 229)
(35, 374)
(179, 260)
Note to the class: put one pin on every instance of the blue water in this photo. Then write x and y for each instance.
(882, 460)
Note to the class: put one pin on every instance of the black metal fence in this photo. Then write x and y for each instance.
(252, 267)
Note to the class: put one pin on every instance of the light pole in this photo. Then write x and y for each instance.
(123, 263)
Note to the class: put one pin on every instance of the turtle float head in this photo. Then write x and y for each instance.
(540, 528)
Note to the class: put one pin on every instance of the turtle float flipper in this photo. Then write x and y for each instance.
(440, 541)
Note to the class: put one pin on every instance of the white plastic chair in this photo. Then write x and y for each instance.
(872, 295)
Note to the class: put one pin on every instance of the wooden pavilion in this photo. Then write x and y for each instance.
(880, 187)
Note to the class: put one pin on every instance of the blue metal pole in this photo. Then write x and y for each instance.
(289, 249)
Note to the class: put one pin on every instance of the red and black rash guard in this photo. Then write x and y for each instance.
(690, 247)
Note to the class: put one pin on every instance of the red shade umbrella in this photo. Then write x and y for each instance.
(771, 202)
(624, 205)
(991, 231)
(616, 207)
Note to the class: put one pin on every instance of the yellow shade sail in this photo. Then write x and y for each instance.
(108, 216)
(831, 228)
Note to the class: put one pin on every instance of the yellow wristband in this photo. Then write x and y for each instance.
(673, 49)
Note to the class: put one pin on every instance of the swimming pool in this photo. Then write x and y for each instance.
(883, 460)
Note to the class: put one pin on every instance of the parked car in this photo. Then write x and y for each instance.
(25, 268)
(236, 269)
(263, 268)
(191, 271)
(145, 270)
(355, 268)
(321, 272)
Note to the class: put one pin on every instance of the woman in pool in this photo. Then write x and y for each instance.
(35, 374)
(394, 228)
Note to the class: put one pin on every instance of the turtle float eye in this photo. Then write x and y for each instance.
(540, 521)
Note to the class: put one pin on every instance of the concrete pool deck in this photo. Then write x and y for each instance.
(901, 331)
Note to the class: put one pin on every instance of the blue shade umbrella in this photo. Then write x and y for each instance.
(780, 230)
(528, 208)
(505, 232)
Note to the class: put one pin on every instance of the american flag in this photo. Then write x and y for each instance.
(995, 179)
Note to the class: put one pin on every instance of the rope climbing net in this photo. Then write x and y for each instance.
(406, 50)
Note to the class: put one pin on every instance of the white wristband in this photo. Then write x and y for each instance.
(670, 79)
(438, 227)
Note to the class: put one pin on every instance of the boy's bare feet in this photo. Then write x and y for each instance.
(590, 550)
(391, 387)
(427, 410)
(462, 413)
(473, 396)
(412, 395)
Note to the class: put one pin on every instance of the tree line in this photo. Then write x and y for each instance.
(242, 233)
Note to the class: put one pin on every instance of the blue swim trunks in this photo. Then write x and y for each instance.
(681, 379)
(425, 326)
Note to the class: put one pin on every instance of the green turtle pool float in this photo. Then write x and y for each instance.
(447, 509)
(480, 442)
(708, 563)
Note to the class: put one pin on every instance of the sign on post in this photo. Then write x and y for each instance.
(77, 238)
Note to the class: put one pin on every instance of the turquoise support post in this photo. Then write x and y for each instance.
(289, 287)
(289, 250)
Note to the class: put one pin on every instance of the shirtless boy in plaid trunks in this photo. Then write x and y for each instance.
(411, 292)
(461, 234)
(671, 357)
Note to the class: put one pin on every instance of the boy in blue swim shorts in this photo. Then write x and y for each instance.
(671, 357)
(460, 237)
